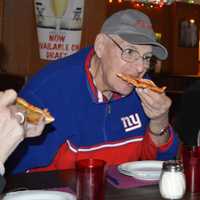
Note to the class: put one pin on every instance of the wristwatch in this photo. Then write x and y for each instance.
(162, 131)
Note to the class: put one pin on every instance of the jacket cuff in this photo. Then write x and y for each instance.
(167, 145)
(169, 142)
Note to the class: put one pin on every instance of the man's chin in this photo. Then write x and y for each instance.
(126, 92)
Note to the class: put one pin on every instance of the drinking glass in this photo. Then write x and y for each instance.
(191, 163)
(90, 179)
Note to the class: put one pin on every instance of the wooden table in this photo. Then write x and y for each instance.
(54, 179)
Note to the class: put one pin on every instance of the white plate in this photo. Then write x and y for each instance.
(142, 170)
(38, 195)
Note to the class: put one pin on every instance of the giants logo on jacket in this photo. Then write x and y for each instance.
(131, 122)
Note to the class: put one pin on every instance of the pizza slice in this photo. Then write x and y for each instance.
(142, 83)
(33, 113)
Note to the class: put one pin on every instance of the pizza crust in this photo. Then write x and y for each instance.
(142, 83)
(33, 113)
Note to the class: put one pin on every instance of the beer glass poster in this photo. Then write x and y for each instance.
(59, 26)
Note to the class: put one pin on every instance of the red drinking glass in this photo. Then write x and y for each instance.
(191, 163)
(90, 179)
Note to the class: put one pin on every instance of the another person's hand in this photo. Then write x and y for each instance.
(11, 132)
(30, 130)
(33, 130)
(156, 107)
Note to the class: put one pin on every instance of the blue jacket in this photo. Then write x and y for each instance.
(83, 126)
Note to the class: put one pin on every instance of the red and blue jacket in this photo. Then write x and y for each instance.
(86, 124)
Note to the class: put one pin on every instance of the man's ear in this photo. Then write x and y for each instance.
(99, 44)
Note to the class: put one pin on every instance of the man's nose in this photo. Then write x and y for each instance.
(139, 66)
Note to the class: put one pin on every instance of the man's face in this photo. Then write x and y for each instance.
(113, 63)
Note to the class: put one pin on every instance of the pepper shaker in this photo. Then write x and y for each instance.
(172, 183)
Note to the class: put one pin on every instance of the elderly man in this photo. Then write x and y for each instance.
(98, 115)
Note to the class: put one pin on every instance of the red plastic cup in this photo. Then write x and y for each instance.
(191, 163)
(90, 179)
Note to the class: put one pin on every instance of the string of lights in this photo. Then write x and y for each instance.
(151, 3)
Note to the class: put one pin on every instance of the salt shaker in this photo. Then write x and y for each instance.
(172, 183)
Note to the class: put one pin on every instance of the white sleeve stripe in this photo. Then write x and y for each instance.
(102, 146)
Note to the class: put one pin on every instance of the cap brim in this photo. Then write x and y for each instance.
(158, 49)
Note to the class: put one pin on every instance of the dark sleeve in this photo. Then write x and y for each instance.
(2, 183)
(187, 122)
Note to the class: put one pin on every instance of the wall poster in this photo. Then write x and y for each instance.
(59, 27)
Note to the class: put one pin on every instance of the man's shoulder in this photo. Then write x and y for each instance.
(64, 64)
(68, 68)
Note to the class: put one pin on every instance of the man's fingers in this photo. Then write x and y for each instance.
(33, 130)
(8, 97)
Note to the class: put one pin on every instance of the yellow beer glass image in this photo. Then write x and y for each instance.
(59, 7)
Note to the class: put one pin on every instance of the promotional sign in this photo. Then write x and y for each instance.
(59, 25)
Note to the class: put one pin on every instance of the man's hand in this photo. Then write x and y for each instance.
(156, 106)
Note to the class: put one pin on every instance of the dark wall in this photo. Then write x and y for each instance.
(18, 35)
(19, 38)
(184, 59)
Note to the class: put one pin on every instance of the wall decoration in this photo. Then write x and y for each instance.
(188, 33)
(59, 27)
(145, 3)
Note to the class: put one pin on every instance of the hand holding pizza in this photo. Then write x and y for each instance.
(156, 106)
(35, 118)
(18, 122)
(154, 101)
(30, 129)
(11, 132)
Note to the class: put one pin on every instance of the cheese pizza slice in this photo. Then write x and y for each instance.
(33, 113)
(142, 83)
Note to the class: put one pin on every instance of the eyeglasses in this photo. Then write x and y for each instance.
(132, 55)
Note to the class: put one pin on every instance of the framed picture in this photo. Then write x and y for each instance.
(188, 33)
